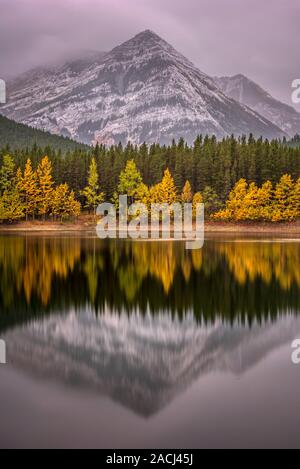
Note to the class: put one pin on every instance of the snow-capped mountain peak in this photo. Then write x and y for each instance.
(142, 90)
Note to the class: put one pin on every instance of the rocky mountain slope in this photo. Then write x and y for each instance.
(143, 90)
(251, 94)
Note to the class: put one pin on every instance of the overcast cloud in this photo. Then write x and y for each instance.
(222, 37)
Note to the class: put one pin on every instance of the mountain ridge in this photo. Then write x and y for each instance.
(142, 90)
(248, 92)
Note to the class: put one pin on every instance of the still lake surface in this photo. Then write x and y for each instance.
(121, 344)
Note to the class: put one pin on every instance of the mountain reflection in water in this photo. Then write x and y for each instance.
(142, 362)
(141, 321)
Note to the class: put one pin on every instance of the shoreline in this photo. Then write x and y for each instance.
(86, 224)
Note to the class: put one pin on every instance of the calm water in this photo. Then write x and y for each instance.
(121, 344)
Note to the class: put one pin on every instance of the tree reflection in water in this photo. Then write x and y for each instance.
(226, 279)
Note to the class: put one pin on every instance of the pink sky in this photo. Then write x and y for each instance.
(222, 37)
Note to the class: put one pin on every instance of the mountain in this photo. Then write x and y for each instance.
(143, 362)
(143, 90)
(250, 94)
(20, 136)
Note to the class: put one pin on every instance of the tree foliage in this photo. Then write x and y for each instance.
(31, 193)
(93, 196)
(239, 179)
(247, 202)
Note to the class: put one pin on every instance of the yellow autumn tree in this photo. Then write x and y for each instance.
(168, 188)
(245, 202)
(74, 206)
(130, 181)
(165, 191)
(234, 203)
(249, 209)
(44, 187)
(186, 195)
(197, 199)
(64, 204)
(142, 194)
(265, 200)
(27, 186)
(296, 199)
(92, 194)
(155, 194)
(283, 207)
(249, 202)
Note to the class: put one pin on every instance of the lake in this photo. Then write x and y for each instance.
(116, 344)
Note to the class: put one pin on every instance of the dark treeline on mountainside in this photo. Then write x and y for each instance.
(21, 136)
(209, 162)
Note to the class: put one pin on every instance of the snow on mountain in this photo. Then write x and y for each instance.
(143, 90)
(249, 93)
(141, 361)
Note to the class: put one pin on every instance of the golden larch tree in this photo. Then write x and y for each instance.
(27, 185)
(44, 187)
(187, 195)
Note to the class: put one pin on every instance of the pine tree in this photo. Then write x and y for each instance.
(211, 200)
(11, 208)
(91, 192)
(7, 174)
(217, 164)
